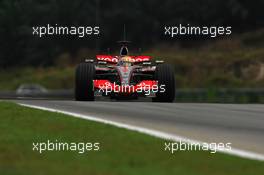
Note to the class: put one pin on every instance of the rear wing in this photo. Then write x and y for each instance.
(114, 59)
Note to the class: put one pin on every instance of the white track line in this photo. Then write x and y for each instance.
(155, 133)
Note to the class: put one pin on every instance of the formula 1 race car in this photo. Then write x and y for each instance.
(124, 77)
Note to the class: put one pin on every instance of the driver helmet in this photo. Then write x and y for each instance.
(125, 61)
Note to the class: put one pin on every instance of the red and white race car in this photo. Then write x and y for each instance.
(124, 76)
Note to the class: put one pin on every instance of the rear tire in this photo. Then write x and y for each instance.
(164, 74)
(84, 82)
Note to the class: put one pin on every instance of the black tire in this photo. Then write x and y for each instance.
(84, 82)
(164, 74)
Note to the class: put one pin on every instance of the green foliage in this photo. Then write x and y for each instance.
(52, 78)
(144, 19)
(212, 66)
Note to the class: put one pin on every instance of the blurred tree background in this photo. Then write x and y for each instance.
(144, 20)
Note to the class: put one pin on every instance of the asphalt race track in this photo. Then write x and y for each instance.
(241, 125)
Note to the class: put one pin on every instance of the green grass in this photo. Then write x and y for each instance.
(229, 62)
(51, 78)
(222, 64)
(194, 68)
(121, 151)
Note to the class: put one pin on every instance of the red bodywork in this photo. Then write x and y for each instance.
(114, 59)
(107, 85)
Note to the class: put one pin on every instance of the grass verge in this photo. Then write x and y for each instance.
(121, 151)
(51, 78)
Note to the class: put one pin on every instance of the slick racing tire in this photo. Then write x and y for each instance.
(84, 82)
(164, 74)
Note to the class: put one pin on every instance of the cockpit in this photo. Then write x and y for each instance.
(125, 61)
